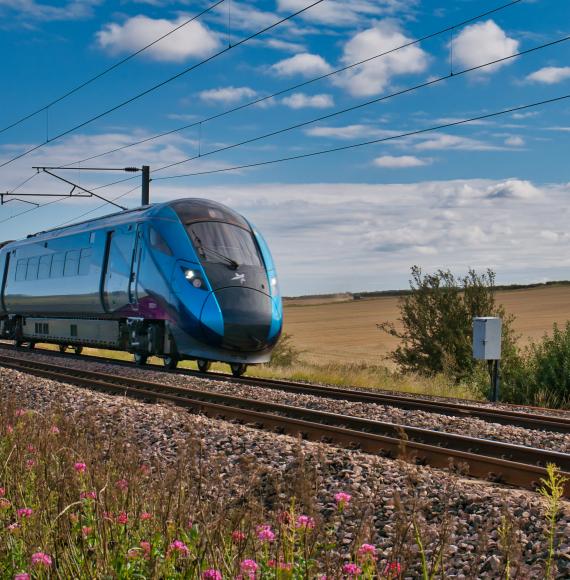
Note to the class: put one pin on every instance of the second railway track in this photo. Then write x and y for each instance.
(491, 460)
(557, 423)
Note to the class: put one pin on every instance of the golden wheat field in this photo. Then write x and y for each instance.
(344, 330)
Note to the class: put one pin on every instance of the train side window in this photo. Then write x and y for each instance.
(71, 263)
(91, 237)
(44, 267)
(85, 261)
(21, 267)
(32, 271)
(157, 242)
(57, 265)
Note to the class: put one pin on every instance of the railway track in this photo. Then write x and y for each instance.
(517, 418)
(486, 459)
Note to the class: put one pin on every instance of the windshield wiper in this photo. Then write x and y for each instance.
(232, 263)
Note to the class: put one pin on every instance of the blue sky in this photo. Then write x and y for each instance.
(493, 193)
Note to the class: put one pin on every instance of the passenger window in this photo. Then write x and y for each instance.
(21, 266)
(32, 271)
(84, 261)
(44, 267)
(157, 242)
(57, 265)
(71, 263)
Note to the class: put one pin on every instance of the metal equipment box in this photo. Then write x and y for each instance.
(487, 338)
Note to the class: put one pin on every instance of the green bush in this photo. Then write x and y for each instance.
(543, 377)
(437, 320)
(285, 354)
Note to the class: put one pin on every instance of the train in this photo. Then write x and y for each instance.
(189, 279)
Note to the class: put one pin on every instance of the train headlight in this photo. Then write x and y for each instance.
(193, 277)
(273, 282)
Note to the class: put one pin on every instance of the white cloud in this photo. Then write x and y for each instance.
(514, 141)
(349, 132)
(374, 76)
(30, 9)
(483, 42)
(338, 13)
(514, 189)
(446, 141)
(303, 101)
(527, 115)
(304, 64)
(550, 75)
(400, 162)
(193, 40)
(227, 94)
(285, 45)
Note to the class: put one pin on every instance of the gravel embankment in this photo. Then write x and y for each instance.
(475, 507)
(468, 426)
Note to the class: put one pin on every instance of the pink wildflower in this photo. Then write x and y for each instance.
(2, 492)
(4, 503)
(212, 574)
(22, 576)
(249, 567)
(145, 469)
(88, 495)
(305, 522)
(9, 429)
(20, 412)
(24, 512)
(342, 499)
(146, 516)
(41, 559)
(265, 533)
(54, 430)
(285, 566)
(86, 531)
(122, 484)
(351, 570)
(133, 553)
(238, 536)
(31, 448)
(123, 518)
(367, 551)
(392, 569)
(145, 546)
(30, 463)
(80, 467)
(179, 547)
(13, 527)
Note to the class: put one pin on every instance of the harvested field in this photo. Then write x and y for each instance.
(346, 331)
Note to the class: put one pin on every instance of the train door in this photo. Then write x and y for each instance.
(133, 282)
(118, 277)
(4, 267)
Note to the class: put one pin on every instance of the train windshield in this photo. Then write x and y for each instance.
(224, 243)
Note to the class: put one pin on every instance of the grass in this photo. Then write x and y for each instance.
(76, 503)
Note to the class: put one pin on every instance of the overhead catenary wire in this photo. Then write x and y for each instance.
(297, 86)
(372, 141)
(107, 70)
(365, 104)
(161, 83)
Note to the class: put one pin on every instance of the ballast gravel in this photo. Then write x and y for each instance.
(475, 507)
(468, 426)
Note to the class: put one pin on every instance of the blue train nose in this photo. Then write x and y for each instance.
(238, 318)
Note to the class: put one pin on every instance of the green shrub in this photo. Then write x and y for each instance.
(285, 354)
(437, 320)
(543, 377)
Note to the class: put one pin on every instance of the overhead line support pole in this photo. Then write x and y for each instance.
(145, 197)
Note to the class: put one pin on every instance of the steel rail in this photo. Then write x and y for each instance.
(502, 416)
(492, 460)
